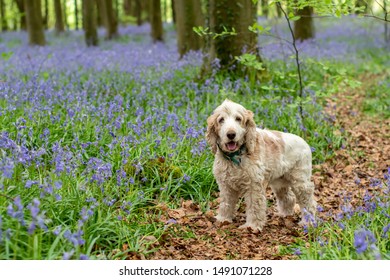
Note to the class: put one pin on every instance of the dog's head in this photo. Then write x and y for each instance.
(230, 127)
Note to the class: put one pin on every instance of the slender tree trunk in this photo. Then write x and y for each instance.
(108, 16)
(225, 14)
(89, 22)
(304, 27)
(4, 25)
(155, 20)
(173, 11)
(111, 20)
(36, 35)
(138, 12)
(76, 14)
(59, 25)
(127, 7)
(22, 13)
(264, 8)
(188, 15)
(46, 15)
(64, 16)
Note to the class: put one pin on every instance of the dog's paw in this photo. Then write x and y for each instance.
(223, 219)
(252, 227)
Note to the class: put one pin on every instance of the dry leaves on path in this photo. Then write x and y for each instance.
(193, 234)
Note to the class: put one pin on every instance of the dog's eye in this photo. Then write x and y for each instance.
(238, 119)
(221, 120)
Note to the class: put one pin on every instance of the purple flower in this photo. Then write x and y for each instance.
(7, 167)
(30, 183)
(186, 178)
(17, 213)
(57, 230)
(363, 239)
(171, 221)
(297, 252)
(67, 255)
(385, 230)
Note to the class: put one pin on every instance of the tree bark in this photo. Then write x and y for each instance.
(138, 12)
(127, 4)
(109, 18)
(3, 10)
(173, 11)
(239, 14)
(156, 21)
(89, 22)
(59, 25)
(22, 13)
(188, 15)
(36, 35)
(76, 14)
(265, 8)
(304, 27)
(46, 15)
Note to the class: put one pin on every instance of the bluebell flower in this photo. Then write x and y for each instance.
(363, 239)
(385, 230)
(297, 252)
(67, 255)
(30, 183)
(57, 230)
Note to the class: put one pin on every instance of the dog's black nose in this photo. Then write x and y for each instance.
(231, 136)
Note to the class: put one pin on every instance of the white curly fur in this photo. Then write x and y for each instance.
(270, 158)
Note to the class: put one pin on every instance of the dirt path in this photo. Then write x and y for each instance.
(365, 158)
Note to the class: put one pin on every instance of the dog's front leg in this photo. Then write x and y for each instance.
(256, 204)
(229, 199)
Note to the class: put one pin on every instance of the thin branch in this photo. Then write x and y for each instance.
(385, 19)
(297, 61)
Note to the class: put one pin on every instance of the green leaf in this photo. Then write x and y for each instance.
(6, 55)
(295, 18)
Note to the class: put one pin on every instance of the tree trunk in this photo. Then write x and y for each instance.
(4, 25)
(89, 22)
(76, 14)
(22, 13)
(304, 27)
(64, 16)
(138, 12)
(155, 20)
(36, 35)
(127, 7)
(264, 8)
(59, 25)
(387, 25)
(108, 16)
(239, 14)
(188, 15)
(46, 15)
(173, 11)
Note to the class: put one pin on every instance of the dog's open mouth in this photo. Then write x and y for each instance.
(231, 146)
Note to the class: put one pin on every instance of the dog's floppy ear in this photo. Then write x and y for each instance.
(211, 134)
(250, 136)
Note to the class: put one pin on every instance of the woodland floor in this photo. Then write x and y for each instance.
(195, 235)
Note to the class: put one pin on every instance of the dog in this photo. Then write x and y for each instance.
(249, 159)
